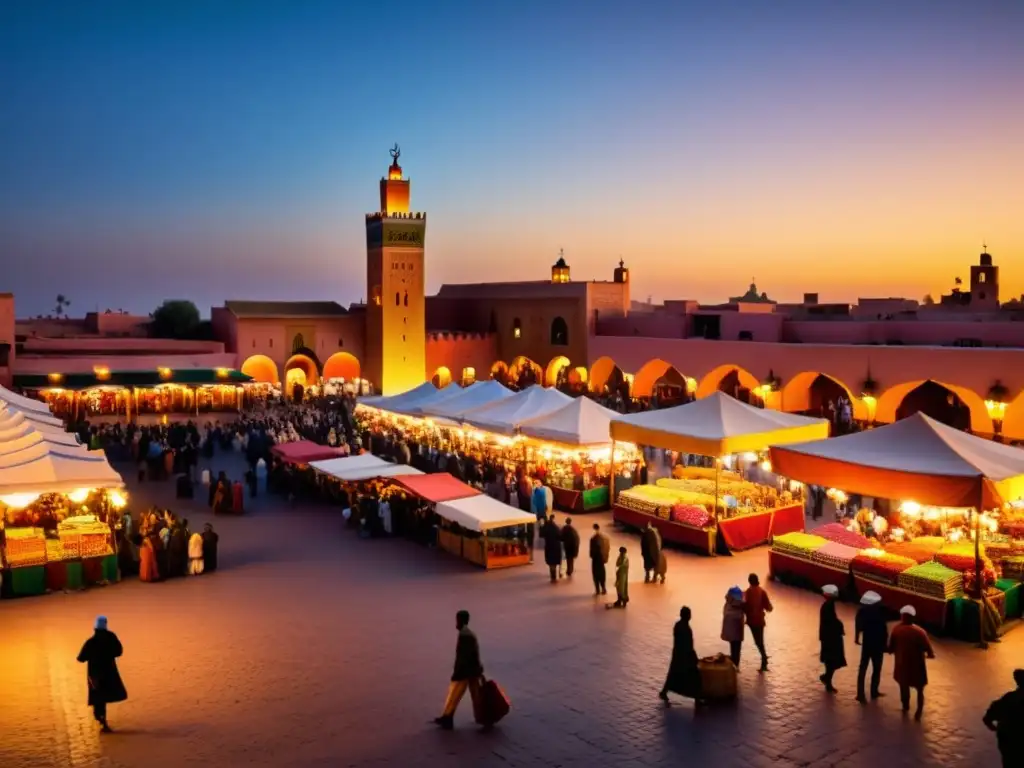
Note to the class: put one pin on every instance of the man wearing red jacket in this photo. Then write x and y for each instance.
(755, 605)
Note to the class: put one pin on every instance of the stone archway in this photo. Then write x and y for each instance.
(810, 392)
(261, 368)
(891, 405)
(342, 365)
(442, 377)
(554, 369)
(300, 371)
(712, 382)
(659, 374)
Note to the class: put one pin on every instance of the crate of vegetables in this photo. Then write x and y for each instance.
(798, 544)
(880, 566)
(835, 555)
(693, 515)
(1013, 567)
(959, 556)
(932, 579)
(840, 535)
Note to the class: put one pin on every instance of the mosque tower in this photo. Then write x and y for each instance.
(396, 303)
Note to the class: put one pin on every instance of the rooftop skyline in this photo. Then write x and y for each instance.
(159, 150)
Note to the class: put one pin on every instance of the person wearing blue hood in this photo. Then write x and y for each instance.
(99, 654)
(733, 623)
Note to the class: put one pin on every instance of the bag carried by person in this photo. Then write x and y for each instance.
(494, 704)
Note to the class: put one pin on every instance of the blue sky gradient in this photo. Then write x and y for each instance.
(219, 149)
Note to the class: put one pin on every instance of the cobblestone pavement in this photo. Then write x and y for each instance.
(312, 647)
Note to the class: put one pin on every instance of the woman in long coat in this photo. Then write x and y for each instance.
(683, 674)
(99, 654)
(732, 623)
(910, 646)
(552, 548)
(830, 633)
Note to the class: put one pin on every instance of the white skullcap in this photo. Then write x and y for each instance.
(909, 610)
(870, 598)
(831, 590)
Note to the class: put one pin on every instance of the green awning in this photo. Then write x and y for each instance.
(195, 377)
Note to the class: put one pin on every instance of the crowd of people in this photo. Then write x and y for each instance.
(160, 546)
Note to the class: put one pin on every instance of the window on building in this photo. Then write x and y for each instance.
(745, 336)
(298, 343)
(559, 332)
(406, 299)
(398, 298)
(271, 343)
(517, 329)
(341, 342)
(254, 343)
(375, 296)
(981, 277)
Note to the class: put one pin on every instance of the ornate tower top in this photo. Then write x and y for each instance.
(394, 189)
(560, 269)
(395, 171)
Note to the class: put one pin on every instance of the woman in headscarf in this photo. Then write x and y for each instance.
(910, 646)
(732, 623)
(830, 634)
(99, 654)
(683, 674)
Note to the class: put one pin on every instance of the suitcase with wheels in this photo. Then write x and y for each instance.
(717, 678)
(494, 704)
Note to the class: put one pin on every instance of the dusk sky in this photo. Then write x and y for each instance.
(218, 150)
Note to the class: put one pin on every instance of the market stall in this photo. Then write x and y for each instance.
(356, 469)
(467, 399)
(695, 512)
(397, 403)
(486, 532)
(504, 416)
(305, 452)
(59, 506)
(959, 529)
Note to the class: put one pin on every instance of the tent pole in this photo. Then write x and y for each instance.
(611, 477)
(977, 578)
(718, 472)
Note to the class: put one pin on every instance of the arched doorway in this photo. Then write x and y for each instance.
(525, 373)
(578, 376)
(261, 368)
(938, 402)
(646, 380)
(810, 392)
(670, 389)
(730, 384)
(559, 332)
(730, 379)
(442, 377)
(499, 372)
(555, 371)
(300, 373)
(342, 365)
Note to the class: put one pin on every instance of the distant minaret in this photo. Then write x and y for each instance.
(396, 307)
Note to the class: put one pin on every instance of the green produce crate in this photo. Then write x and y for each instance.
(110, 570)
(28, 581)
(75, 580)
(1012, 590)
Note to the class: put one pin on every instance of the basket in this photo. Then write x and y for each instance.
(717, 678)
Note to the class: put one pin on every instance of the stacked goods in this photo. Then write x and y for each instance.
(798, 544)
(651, 498)
(637, 501)
(834, 555)
(919, 553)
(94, 545)
(960, 557)
(690, 514)
(876, 565)
(1013, 567)
(702, 491)
(932, 579)
(679, 472)
(25, 547)
(840, 535)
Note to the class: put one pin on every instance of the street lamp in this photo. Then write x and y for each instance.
(769, 384)
(995, 404)
(869, 396)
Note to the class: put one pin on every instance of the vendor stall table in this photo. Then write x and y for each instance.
(590, 500)
(27, 581)
(700, 539)
(485, 516)
(931, 611)
(796, 570)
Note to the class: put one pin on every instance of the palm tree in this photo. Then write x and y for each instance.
(63, 302)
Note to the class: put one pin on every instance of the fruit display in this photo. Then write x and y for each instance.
(840, 535)
(690, 514)
(917, 550)
(959, 556)
(834, 555)
(932, 579)
(25, 547)
(880, 566)
(798, 544)
(744, 494)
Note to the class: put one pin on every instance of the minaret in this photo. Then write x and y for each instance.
(396, 304)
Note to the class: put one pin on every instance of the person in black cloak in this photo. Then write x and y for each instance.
(683, 674)
(99, 654)
(830, 633)
(210, 539)
(177, 554)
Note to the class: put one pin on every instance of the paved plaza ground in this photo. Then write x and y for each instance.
(311, 647)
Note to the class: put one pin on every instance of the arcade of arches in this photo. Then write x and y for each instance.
(342, 365)
(808, 392)
(300, 372)
(261, 368)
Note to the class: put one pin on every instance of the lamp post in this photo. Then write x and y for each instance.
(995, 404)
(869, 396)
(769, 384)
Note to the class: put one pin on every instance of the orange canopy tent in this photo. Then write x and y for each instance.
(305, 451)
(437, 488)
(917, 459)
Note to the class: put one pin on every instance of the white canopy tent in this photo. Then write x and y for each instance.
(472, 397)
(396, 403)
(22, 403)
(717, 425)
(482, 513)
(582, 422)
(439, 396)
(505, 415)
(39, 459)
(362, 467)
